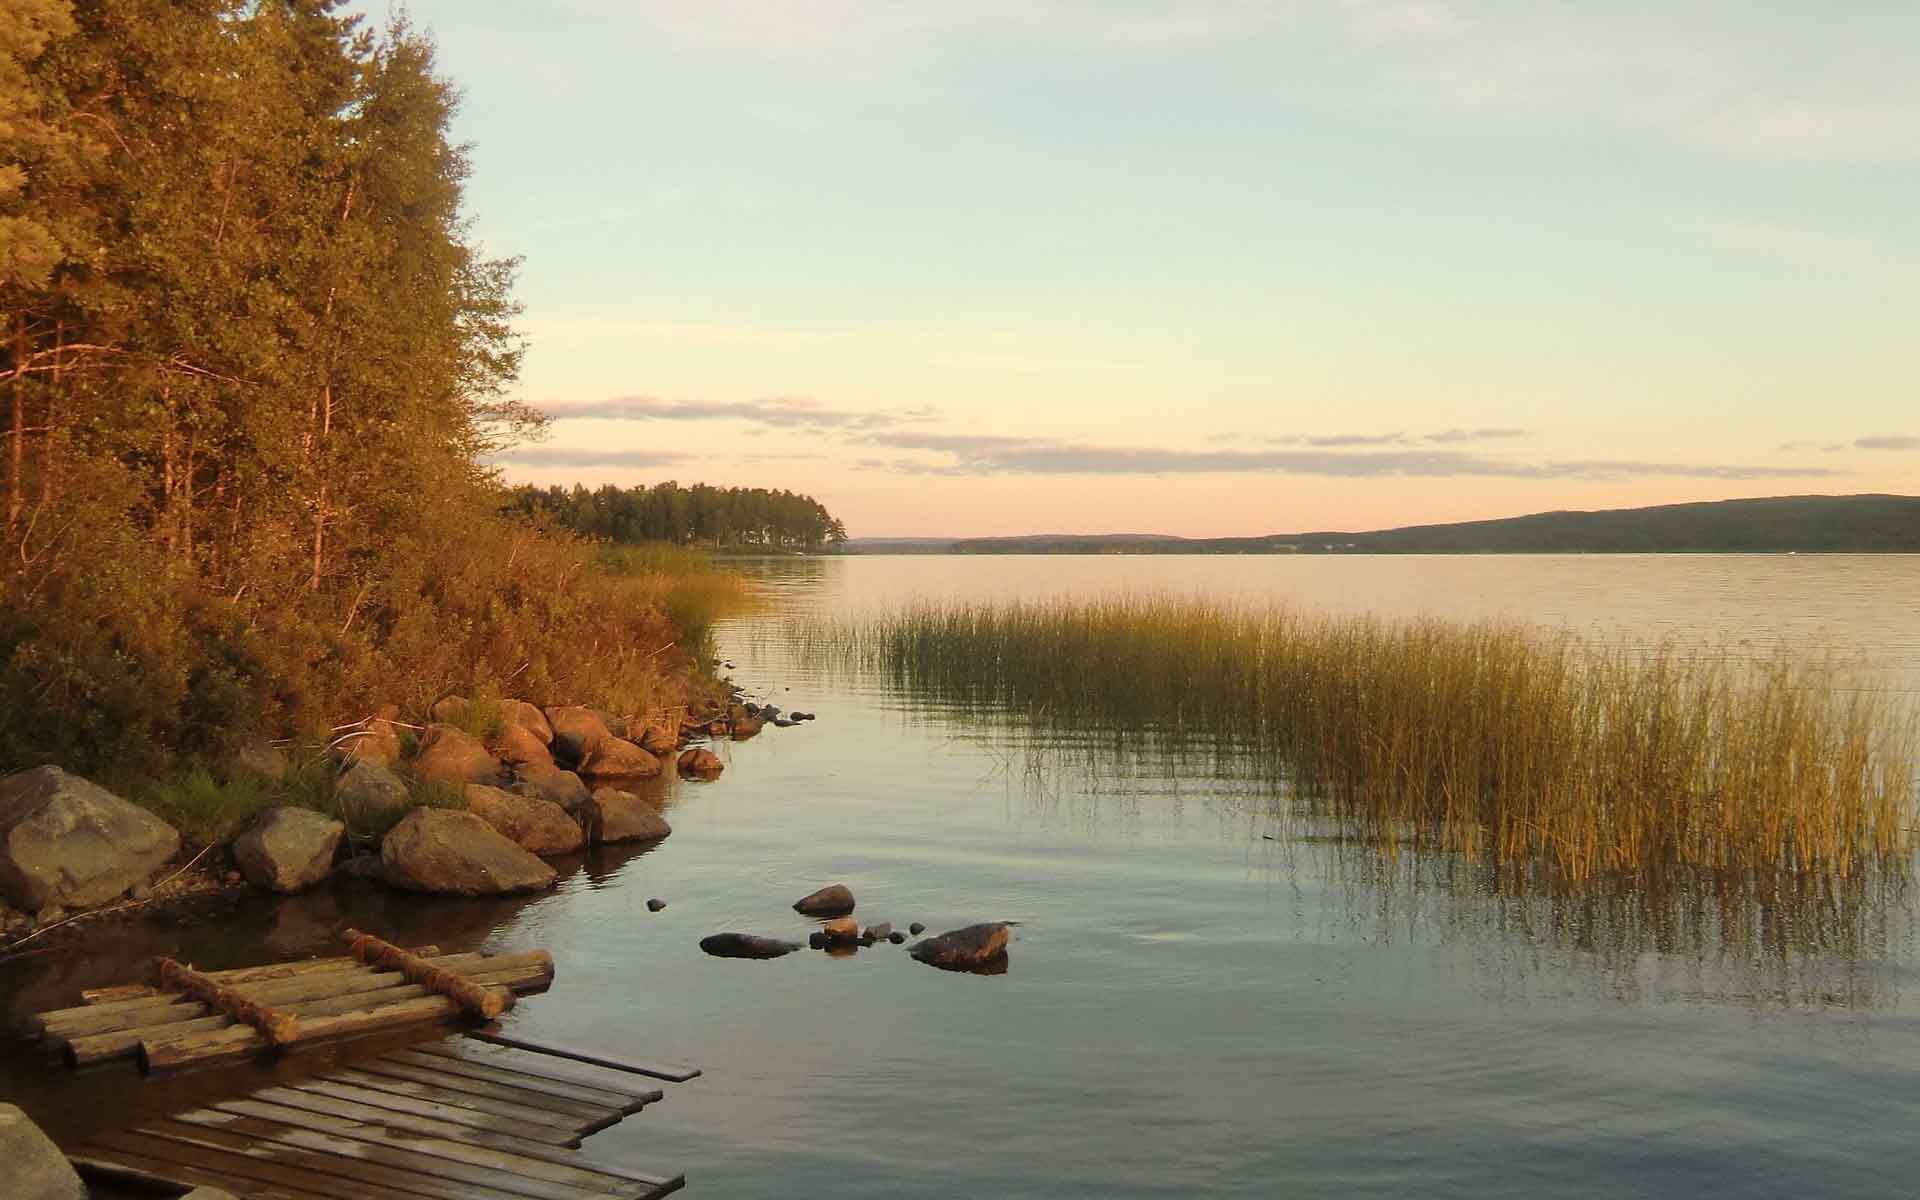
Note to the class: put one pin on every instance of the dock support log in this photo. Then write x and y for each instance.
(473, 999)
(276, 1026)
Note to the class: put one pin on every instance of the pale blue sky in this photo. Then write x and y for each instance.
(1206, 268)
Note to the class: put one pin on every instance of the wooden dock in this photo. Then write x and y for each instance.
(448, 1120)
(479, 1115)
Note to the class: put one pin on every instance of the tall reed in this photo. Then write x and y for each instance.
(1494, 740)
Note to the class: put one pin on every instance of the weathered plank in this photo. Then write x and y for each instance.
(324, 1157)
(554, 1082)
(672, 1074)
(495, 1090)
(393, 1102)
(241, 1172)
(161, 1176)
(572, 1123)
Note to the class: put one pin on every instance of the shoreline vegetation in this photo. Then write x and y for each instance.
(1521, 749)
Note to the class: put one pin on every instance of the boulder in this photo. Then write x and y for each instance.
(288, 849)
(518, 746)
(376, 742)
(549, 782)
(742, 729)
(440, 850)
(897, 938)
(576, 732)
(916, 929)
(658, 740)
(701, 764)
(65, 841)
(617, 816)
(746, 945)
(35, 1169)
(533, 824)
(834, 900)
(841, 931)
(261, 758)
(528, 717)
(656, 904)
(370, 796)
(972, 948)
(449, 755)
(880, 931)
(448, 709)
(615, 759)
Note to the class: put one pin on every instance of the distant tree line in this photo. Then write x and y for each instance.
(703, 515)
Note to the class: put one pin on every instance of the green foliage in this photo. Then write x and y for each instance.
(723, 518)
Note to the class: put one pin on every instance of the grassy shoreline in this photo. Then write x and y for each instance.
(1492, 740)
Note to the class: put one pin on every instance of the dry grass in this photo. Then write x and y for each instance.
(1491, 740)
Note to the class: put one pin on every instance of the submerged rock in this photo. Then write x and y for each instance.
(658, 741)
(656, 904)
(974, 948)
(440, 850)
(841, 931)
(897, 938)
(916, 929)
(834, 900)
(34, 1167)
(746, 945)
(882, 930)
(288, 849)
(66, 841)
(701, 764)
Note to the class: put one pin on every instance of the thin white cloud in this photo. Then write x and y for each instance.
(783, 412)
(1887, 442)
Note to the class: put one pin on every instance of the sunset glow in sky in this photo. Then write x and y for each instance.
(1208, 268)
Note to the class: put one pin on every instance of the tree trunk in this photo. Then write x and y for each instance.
(49, 444)
(17, 454)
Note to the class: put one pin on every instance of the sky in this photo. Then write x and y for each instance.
(1210, 268)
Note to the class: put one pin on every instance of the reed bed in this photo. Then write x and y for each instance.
(1493, 740)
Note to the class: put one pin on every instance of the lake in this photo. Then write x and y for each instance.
(1203, 997)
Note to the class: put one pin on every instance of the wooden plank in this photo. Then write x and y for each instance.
(431, 1057)
(471, 1093)
(407, 1133)
(672, 1074)
(388, 1168)
(241, 1171)
(164, 1176)
(393, 1102)
(282, 970)
(349, 1160)
(573, 1123)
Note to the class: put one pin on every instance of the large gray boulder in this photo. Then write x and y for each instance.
(288, 849)
(370, 796)
(451, 756)
(32, 1165)
(441, 850)
(67, 842)
(518, 746)
(528, 717)
(617, 816)
(615, 759)
(549, 782)
(577, 732)
(540, 826)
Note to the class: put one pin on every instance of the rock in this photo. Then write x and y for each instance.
(577, 731)
(897, 938)
(700, 764)
(746, 945)
(376, 742)
(528, 717)
(35, 1169)
(261, 758)
(784, 723)
(370, 796)
(834, 900)
(655, 905)
(441, 850)
(73, 843)
(768, 712)
(976, 946)
(658, 741)
(840, 931)
(817, 940)
(617, 726)
(916, 929)
(288, 849)
(540, 826)
(883, 930)
(617, 816)
(451, 756)
(448, 709)
(518, 746)
(616, 759)
(564, 788)
(742, 729)
(140, 891)
(363, 866)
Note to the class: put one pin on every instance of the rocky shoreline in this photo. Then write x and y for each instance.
(420, 806)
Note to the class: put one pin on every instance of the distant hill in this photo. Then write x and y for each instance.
(1873, 524)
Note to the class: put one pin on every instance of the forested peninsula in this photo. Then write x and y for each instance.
(252, 369)
(746, 519)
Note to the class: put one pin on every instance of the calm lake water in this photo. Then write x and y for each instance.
(1203, 997)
